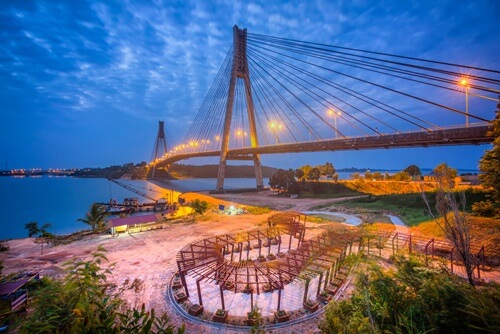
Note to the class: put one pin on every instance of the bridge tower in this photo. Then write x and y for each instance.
(239, 72)
(160, 147)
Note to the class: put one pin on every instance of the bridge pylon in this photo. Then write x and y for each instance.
(160, 147)
(239, 72)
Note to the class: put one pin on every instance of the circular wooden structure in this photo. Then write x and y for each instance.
(225, 260)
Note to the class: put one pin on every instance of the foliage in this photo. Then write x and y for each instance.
(484, 231)
(327, 169)
(413, 170)
(490, 163)
(199, 207)
(257, 210)
(95, 218)
(299, 174)
(258, 321)
(283, 181)
(314, 174)
(35, 230)
(454, 223)
(401, 176)
(83, 303)
(410, 207)
(445, 175)
(325, 190)
(413, 300)
(484, 208)
(40, 232)
(210, 171)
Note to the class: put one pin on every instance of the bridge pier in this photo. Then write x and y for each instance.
(239, 71)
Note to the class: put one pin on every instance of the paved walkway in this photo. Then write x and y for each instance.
(349, 219)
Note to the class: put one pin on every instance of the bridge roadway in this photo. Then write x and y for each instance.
(475, 135)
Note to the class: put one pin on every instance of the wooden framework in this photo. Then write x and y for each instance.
(222, 260)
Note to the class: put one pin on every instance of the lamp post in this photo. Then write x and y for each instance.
(464, 82)
(275, 127)
(334, 114)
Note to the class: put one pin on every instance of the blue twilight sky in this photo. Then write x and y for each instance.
(84, 83)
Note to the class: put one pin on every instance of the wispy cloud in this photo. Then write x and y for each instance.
(95, 67)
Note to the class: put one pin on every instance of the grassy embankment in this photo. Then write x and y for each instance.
(400, 198)
(405, 200)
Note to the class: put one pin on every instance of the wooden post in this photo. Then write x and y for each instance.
(199, 291)
(221, 288)
(319, 283)
(306, 290)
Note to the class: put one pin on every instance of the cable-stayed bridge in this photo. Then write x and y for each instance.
(274, 95)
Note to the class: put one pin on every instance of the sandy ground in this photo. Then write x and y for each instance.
(143, 262)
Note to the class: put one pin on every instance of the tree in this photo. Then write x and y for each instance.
(283, 181)
(95, 218)
(40, 232)
(377, 176)
(445, 175)
(199, 207)
(490, 162)
(314, 174)
(413, 171)
(401, 176)
(414, 299)
(83, 302)
(305, 169)
(328, 169)
(453, 220)
(299, 174)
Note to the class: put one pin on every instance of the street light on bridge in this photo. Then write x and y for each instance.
(465, 83)
(275, 127)
(334, 114)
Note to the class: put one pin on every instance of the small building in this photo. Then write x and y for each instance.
(131, 201)
(14, 294)
(430, 177)
(134, 223)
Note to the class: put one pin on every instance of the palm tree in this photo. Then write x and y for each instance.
(95, 217)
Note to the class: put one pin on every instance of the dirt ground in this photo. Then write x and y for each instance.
(143, 262)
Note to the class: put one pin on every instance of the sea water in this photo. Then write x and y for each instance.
(61, 201)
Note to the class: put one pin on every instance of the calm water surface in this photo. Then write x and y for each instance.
(60, 201)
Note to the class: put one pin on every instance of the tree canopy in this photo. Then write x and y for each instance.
(413, 170)
(414, 299)
(95, 218)
(283, 180)
(83, 303)
(490, 162)
(445, 175)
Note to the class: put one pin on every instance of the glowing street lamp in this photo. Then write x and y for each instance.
(465, 83)
(275, 127)
(334, 114)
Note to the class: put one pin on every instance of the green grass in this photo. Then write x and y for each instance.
(410, 207)
(257, 210)
(325, 190)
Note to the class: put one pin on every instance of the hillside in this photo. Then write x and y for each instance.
(210, 171)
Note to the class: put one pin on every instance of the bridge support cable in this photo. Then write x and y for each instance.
(327, 93)
(386, 57)
(316, 98)
(208, 120)
(376, 104)
(381, 86)
(305, 96)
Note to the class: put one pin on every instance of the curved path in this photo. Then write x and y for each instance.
(349, 219)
